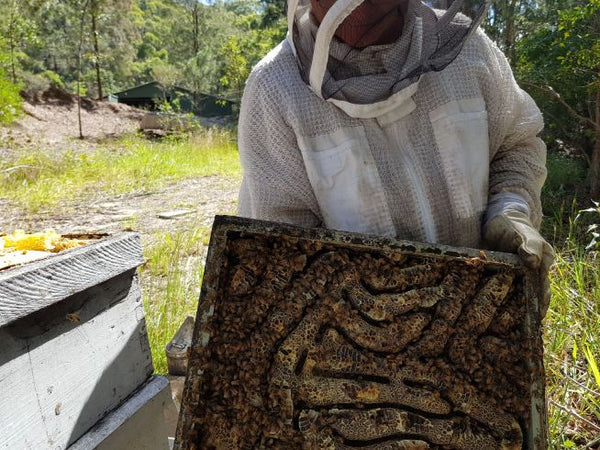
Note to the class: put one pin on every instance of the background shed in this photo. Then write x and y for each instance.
(151, 95)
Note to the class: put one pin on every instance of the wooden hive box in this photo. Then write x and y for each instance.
(75, 348)
(324, 339)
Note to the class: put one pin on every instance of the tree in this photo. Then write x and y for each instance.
(94, 13)
(20, 31)
(561, 64)
(240, 53)
(109, 26)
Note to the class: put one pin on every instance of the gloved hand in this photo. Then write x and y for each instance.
(512, 231)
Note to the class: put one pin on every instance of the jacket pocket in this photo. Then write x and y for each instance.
(461, 134)
(346, 183)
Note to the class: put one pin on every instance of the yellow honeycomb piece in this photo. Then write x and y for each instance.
(48, 241)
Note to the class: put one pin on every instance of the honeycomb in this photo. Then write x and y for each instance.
(312, 345)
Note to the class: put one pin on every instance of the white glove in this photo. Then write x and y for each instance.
(512, 231)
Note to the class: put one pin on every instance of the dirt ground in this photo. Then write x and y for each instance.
(51, 123)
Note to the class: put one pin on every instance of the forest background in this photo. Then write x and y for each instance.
(552, 45)
(98, 47)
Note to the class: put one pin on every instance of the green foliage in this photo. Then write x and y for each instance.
(565, 174)
(20, 32)
(572, 348)
(170, 281)
(11, 103)
(183, 42)
(39, 180)
(559, 63)
(240, 53)
(565, 183)
(53, 78)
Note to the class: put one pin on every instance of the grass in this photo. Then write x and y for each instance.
(40, 180)
(572, 346)
(170, 280)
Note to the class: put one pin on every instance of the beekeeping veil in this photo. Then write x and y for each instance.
(370, 81)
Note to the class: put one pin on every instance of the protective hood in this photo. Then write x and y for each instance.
(371, 81)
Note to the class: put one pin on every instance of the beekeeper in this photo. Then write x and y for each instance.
(388, 117)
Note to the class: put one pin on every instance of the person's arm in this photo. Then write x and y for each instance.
(517, 169)
(275, 185)
(518, 163)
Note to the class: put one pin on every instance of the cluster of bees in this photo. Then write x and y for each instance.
(320, 346)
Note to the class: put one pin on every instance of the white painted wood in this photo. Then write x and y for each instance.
(57, 381)
(20, 421)
(20, 258)
(29, 288)
(174, 213)
(138, 424)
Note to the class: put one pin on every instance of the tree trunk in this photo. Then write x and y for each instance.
(94, 13)
(11, 37)
(595, 159)
(83, 10)
(508, 35)
(196, 19)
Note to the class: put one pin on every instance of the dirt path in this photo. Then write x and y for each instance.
(50, 123)
(190, 203)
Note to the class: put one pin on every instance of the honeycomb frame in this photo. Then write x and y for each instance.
(312, 338)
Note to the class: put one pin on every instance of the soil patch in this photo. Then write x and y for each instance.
(198, 199)
(50, 123)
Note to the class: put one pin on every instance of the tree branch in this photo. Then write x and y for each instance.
(548, 89)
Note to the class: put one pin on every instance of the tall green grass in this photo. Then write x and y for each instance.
(572, 346)
(40, 180)
(170, 280)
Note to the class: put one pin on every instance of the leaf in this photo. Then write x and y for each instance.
(593, 242)
(592, 364)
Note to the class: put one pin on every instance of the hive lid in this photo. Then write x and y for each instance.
(27, 288)
(311, 338)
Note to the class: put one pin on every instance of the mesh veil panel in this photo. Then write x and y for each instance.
(430, 40)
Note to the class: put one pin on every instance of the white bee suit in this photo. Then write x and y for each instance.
(411, 139)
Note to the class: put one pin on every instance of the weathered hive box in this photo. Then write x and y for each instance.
(321, 339)
(74, 348)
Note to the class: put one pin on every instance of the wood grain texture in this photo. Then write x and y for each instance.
(57, 381)
(32, 287)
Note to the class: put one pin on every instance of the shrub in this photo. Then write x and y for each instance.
(35, 83)
(11, 104)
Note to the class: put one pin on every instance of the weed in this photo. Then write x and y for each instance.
(170, 280)
(40, 180)
(572, 346)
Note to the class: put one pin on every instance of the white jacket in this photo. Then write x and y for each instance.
(425, 168)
